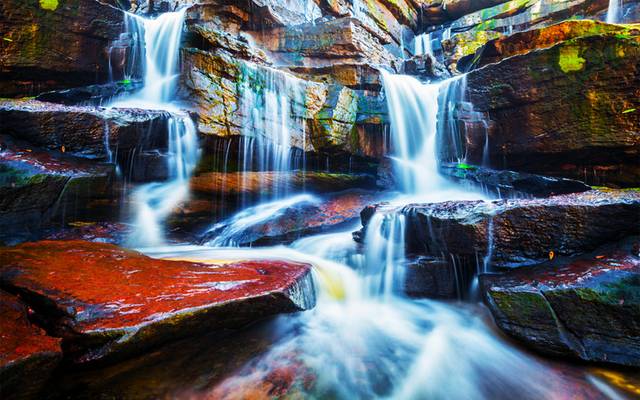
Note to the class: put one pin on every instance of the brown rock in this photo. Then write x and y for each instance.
(55, 44)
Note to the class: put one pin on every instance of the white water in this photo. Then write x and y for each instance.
(364, 339)
(160, 50)
(614, 12)
(423, 45)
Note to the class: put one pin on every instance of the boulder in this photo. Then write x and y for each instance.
(518, 232)
(28, 356)
(436, 278)
(591, 82)
(39, 188)
(587, 308)
(94, 95)
(510, 182)
(55, 44)
(283, 221)
(108, 303)
(90, 132)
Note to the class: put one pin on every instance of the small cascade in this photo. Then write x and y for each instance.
(423, 45)
(384, 246)
(155, 55)
(614, 12)
(273, 109)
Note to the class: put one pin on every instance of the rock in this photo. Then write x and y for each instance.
(462, 46)
(510, 182)
(520, 231)
(27, 355)
(284, 221)
(108, 303)
(255, 184)
(38, 188)
(587, 308)
(426, 67)
(435, 278)
(440, 12)
(94, 95)
(58, 44)
(100, 232)
(591, 82)
(83, 131)
(535, 39)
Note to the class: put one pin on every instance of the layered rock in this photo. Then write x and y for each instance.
(55, 44)
(591, 82)
(107, 303)
(27, 355)
(587, 308)
(38, 188)
(510, 182)
(516, 232)
(89, 132)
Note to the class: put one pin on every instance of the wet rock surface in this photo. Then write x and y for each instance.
(108, 303)
(38, 188)
(28, 355)
(278, 222)
(587, 308)
(84, 131)
(521, 231)
(511, 182)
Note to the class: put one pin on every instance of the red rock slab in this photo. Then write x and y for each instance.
(107, 301)
(27, 354)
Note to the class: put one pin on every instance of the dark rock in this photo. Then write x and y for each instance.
(569, 110)
(39, 188)
(511, 182)
(27, 355)
(95, 95)
(83, 131)
(426, 67)
(107, 302)
(55, 44)
(435, 278)
(522, 231)
(587, 308)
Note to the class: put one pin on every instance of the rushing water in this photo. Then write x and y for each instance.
(614, 12)
(364, 339)
(423, 45)
(156, 42)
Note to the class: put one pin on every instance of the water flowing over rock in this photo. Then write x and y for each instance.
(40, 188)
(586, 308)
(517, 232)
(146, 302)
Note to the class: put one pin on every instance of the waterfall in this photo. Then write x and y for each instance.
(159, 55)
(423, 44)
(614, 12)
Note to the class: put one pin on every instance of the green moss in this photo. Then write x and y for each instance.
(630, 110)
(50, 5)
(465, 166)
(570, 59)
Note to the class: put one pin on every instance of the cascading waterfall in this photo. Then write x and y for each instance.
(614, 12)
(160, 52)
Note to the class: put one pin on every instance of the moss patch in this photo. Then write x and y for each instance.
(50, 5)
(570, 59)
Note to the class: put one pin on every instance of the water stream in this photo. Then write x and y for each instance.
(157, 43)
(614, 12)
(364, 339)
